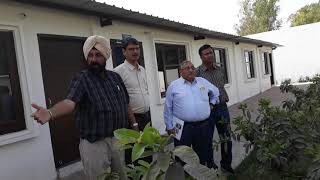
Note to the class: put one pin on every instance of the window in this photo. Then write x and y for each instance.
(248, 56)
(265, 62)
(11, 105)
(169, 56)
(221, 60)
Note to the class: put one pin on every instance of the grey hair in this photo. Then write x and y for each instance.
(183, 64)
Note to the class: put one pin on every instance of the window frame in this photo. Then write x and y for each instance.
(265, 63)
(251, 65)
(32, 128)
(227, 63)
(186, 44)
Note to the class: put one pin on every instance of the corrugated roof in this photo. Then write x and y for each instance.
(104, 10)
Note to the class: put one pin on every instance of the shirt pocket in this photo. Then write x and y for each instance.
(204, 96)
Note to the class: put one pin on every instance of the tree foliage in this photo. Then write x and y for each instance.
(258, 16)
(306, 15)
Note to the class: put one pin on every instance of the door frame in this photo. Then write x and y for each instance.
(272, 81)
(40, 37)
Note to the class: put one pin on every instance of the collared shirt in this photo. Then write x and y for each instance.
(135, 80)
(101, 104)
(216, 77)
(189, 101)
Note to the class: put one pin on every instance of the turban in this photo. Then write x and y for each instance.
(98, 42)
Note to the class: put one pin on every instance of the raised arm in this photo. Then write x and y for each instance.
(62, 108)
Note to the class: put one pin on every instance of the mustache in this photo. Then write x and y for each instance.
(191, 72)
(93, 64)
(96, 66)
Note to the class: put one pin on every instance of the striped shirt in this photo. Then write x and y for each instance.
(216, 77)
(101, 104)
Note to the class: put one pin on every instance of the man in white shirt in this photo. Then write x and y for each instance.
(135, 80)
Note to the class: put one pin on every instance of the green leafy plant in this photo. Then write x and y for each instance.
(108, 175)
(283, 136)
(149, 142)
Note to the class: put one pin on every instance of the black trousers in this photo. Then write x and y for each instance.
(196, 135)
(220, 118)
(142, 120)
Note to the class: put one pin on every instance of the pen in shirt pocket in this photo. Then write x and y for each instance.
(118, 87)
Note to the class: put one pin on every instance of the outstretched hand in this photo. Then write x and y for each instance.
(41, 115)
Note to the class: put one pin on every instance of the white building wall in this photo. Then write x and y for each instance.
(32, 159)
(265, 78)
(250, 87)
(298, 57)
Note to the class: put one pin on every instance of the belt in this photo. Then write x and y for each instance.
(216, 106)
(196, 123)
(142, 114)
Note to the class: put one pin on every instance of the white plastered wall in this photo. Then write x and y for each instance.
(249, 87)
(298, 56)
(33, 158)
(264, 78)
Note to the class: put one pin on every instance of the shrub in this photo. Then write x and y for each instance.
(283, 136)
(149, 142)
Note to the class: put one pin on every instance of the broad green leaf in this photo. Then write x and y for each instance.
(137, 151)
(161, 177)
(152, 172)
(142, 169)
(199, 171)
(165, 140)
(144, 163)
(150, 136)
(147, 126)
(146, 153)
(126, 135)
(164, 161)
(124, 146)
(186, 154)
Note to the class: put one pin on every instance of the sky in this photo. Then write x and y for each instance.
(217, 15)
